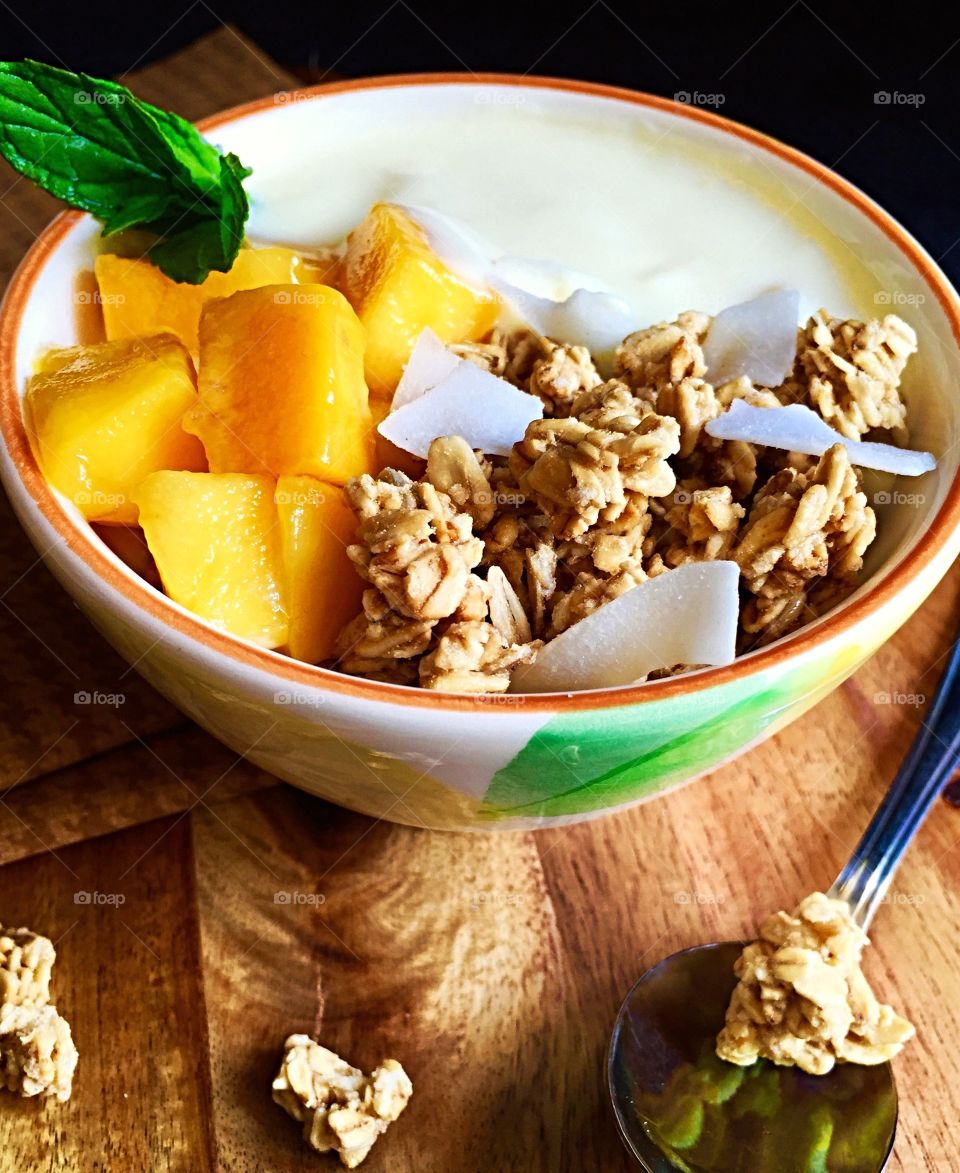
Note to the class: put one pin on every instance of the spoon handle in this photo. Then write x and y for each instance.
(930, 761)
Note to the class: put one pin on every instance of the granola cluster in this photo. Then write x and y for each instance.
(850, 372)
(802, 999)
(482, 559)
(37, 1053)
(341, 1109)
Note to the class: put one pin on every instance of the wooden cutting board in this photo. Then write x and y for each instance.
(492, 966)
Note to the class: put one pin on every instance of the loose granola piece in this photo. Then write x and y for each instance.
(744, 388)
(540, 580)
(341, 1109)
(692, 403)
(455, 469)
(415, 547)
(586, 468)
(382, 644)
(37, 1052)
(475, 603)
(490, 356)
(613, 546)
(523, 347)
(802, 527)
(473, 657)
(590, 592)
(703, 524)
(506, 611)
(26, 960)
(563, 374)
(802, 999)
(850, 372)
(666, 353)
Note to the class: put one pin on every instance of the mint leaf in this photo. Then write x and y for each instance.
(189, 253)
(93, 144)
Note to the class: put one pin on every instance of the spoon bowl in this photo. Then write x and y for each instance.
(678, 1106)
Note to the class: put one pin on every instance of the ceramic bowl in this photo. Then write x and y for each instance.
(504, 762)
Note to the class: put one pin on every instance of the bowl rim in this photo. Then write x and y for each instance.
(83, 543)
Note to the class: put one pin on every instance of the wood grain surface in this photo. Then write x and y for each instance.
(492, 966)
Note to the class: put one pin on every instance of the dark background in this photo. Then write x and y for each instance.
(813, 74)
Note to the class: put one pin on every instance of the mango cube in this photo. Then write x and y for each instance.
(137, 298)
(398, 286)
(103, 417)
(281, 384)
(323, 588)
(216, 543)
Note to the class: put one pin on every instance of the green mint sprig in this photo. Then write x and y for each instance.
(131, 165)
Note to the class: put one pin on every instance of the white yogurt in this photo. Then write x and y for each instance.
(663, 227)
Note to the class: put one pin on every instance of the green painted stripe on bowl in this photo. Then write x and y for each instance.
(594, 760)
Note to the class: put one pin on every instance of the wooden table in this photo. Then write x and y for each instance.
(492, 966)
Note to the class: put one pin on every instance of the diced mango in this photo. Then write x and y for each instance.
(216, 543)
(137, 298)
(102, 417)
(281, 384)
(398, 286)
(323, 588)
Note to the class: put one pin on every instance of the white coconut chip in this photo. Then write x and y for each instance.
(488, 412)
(799, 429)
(756, 338)
(588, 317)
(429, 364)
(579, 310)
(686, 616)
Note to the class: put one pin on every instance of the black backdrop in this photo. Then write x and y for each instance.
(870, 89)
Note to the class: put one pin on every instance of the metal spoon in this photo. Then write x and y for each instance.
(680, 1107)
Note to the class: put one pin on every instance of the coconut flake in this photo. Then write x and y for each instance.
(588, 317)
(756, 338)
(799, 429)
(686, 616)
(556, 301)
(488, 412)
(429, 364)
